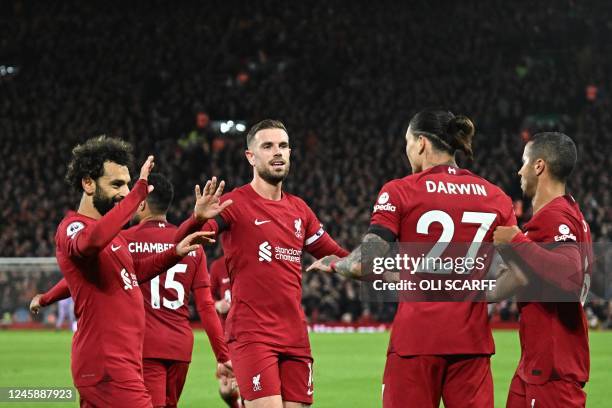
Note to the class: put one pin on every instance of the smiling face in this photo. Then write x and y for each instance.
(111, 187)
(269, 153)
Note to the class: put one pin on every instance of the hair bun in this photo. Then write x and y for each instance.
(460, 131)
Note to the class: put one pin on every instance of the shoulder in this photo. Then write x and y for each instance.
(556, 221)
(72, 224)
(236, 193)
(294, 200)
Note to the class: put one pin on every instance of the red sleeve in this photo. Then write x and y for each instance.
(387, 210)
(560, 266)
(89, 241)
(56, 293)
(324, 246)
(147, 268)
(509, 217)
(205, 306)
(201, 278)
(214, 279)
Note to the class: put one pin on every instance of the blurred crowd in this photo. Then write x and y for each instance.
(344, 77)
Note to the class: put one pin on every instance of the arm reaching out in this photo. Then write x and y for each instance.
(350, 266)
(151, 266)
(56, 293)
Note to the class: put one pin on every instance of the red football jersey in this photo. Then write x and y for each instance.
(168, 334)
(554, 336)
(442, 204)
(263, 243)
(220, 284)
(107, 304)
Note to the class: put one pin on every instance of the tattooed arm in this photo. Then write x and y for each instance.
(350, 266)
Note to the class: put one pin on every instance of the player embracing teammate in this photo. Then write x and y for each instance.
(437, 350)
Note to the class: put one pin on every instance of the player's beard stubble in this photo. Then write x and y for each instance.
(102, 202)
(272, 177)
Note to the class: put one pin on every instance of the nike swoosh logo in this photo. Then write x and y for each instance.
(225, 280)
(115, 248)
(309, 392)
(257, 222)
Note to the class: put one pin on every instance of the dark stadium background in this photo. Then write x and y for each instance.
(344, 77)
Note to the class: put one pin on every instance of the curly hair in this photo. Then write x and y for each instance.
(88, 158)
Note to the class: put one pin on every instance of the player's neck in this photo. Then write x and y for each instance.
(267, 190)
(87, 208)
(545, 193)
(153, 217)
(439, 161)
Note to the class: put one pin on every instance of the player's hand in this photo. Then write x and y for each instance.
(193, 241)
(225, 371)
(35, 305)
(323, 264)
(146, 168)
(504, 235)
(222, 306)
(208, 202)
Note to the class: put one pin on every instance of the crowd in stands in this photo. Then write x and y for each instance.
(344, 77)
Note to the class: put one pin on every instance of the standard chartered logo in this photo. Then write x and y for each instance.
(265, 252)
(280, 253)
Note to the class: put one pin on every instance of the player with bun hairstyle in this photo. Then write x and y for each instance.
(437, 350)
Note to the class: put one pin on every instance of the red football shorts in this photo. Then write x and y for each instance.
(125, 394)
(263, 370)
(165, 380)
(555, 394)
(462, 381)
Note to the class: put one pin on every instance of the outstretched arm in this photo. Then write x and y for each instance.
(151, 266)
(350, 266)
(560, 266)
(56, 293)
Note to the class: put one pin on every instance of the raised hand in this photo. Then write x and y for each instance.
(146, 168)
(208, 202)
(192, 241)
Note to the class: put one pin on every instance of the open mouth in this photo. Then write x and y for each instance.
(277, 164)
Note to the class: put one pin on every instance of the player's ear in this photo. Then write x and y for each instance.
(539, 166)
(250, 157)
(89, 185)
(421, 144)
(142, 206)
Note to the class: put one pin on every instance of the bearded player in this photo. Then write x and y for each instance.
(554, 364)
(437, 350)
(168, 340)
(265, 232)
(103, 277)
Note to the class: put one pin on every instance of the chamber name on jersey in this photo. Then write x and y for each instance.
(168, 334)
